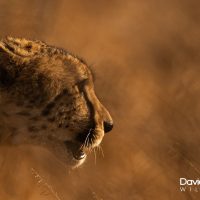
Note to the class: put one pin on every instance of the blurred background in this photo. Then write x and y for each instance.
(146, 58)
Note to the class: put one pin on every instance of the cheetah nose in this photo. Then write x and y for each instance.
(108, 126)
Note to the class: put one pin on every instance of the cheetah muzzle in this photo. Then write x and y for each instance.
(47, 99)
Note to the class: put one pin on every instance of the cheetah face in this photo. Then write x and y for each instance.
(48, 94)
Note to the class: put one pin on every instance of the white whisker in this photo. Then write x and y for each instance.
(101, 151)
(95, 157)
(85, 143)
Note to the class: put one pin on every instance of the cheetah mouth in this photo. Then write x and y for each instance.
(85, 142)
(77, 153)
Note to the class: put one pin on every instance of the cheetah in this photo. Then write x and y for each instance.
(47, 99)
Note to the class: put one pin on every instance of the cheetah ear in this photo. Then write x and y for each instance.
(14, 53)
(11, 59)
(20, 48)
(10, 52)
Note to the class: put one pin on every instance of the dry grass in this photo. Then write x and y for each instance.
(47, 189)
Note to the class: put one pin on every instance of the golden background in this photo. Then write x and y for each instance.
(146, 57)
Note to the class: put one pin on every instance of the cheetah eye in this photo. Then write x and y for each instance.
(81, 84)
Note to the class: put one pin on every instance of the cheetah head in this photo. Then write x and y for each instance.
(47, 98)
